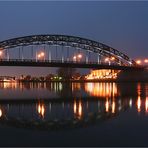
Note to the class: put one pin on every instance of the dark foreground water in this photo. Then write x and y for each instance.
(73, 114)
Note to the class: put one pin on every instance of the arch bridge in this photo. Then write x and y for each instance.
(62, 51)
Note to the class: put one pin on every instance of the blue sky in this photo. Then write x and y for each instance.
(122, 25)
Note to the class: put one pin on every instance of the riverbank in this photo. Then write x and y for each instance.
(85, 81)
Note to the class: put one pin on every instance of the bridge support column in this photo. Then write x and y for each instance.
(22, 53)
(7, 54)
(86, 58)
(19, 54)
(44, 57)
(89, 57)
(32, 52)
(109, 62)
(99, 58)
(62, 54)
(49, 54)
(36, 56)
(68, 54)
(56, 52)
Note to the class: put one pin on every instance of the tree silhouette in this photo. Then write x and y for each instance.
(66, 73)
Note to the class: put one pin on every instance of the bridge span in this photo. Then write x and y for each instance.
(70, 64)
(63, 51)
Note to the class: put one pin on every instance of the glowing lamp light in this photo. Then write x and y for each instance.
(39, 55)
(113, 58)
(1, 53)
(106, 59)
(79, 56)
(146, 61)
(138, 61)
(42, 53)
(74, 57)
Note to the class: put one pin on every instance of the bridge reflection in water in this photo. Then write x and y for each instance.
(47, 115)
(86, 104)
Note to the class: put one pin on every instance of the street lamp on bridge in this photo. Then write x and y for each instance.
(1, 53)
(112, 58)
(40, 56)
(139, 62)
(77, 58)
(107, 60)
(146, 61)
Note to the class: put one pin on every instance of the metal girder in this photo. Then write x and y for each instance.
(65, 40)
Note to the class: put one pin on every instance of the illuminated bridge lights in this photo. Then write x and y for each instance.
(1, 53)
(40, 56)
(142, 62)
(146, 61)
(138, 61)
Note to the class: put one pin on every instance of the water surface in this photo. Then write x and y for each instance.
(87, 114)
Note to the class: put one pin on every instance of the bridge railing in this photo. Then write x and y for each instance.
(65, 61)
(53, 61)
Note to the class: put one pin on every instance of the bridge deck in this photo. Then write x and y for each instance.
(72, 64)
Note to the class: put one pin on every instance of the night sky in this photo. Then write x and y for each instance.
(121, 25)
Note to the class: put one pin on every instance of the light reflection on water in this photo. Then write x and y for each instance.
(41, 110)
(68, 103)
(102, 89)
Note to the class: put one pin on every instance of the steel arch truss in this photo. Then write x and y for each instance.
(69, 41)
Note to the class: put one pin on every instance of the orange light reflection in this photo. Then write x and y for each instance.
(1, 113)
(107, 106)
(146, 104)
(78, 109)
(102, 89)
(41, 110)
(113, 107)
(139, 104)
